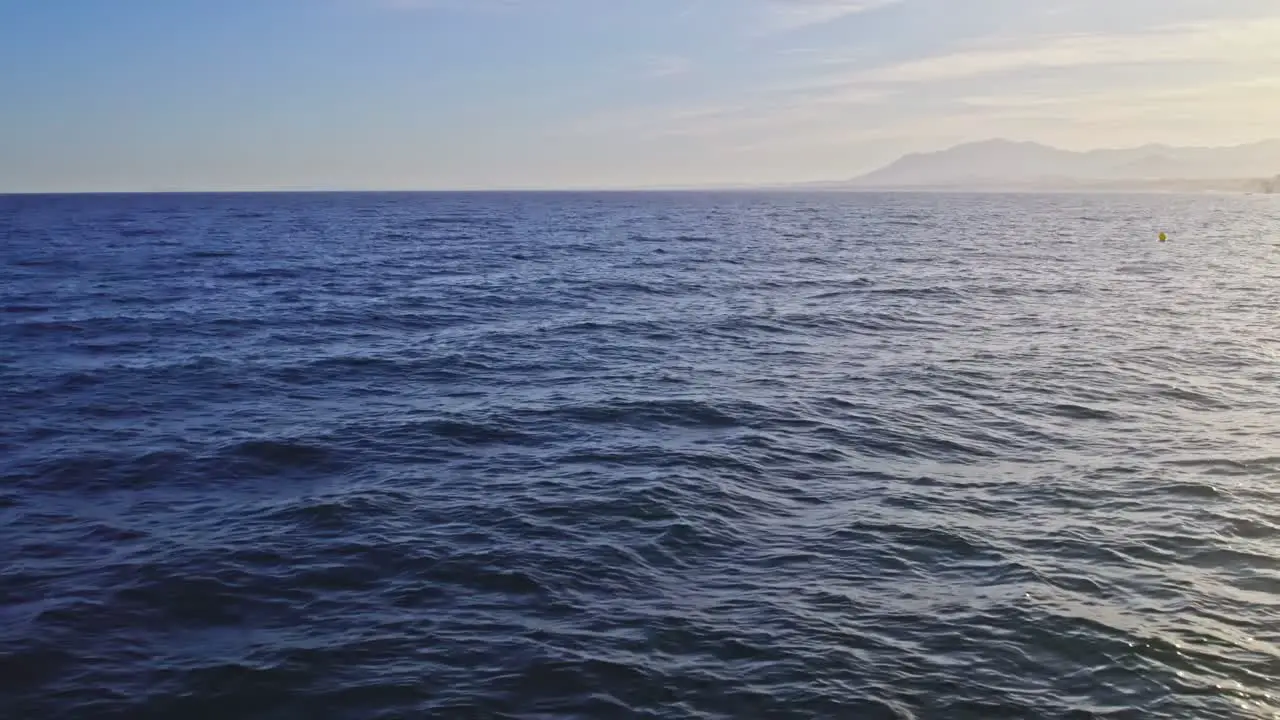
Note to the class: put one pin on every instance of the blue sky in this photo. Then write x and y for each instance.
(262, 94)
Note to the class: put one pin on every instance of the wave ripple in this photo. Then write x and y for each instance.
(638, 456)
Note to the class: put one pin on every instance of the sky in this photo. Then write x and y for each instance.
(147, 95)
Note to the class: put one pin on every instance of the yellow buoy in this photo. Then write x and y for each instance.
(1163, 237)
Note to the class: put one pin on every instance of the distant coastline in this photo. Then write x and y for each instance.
(1261, 186)
(1007, 166)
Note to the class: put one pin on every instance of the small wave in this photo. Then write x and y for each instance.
(320, 513)
(172, 598)
(649, 329)
(912, 292)
(271, 273)
(682, 538)
(851, 287)
(1197, 490)
(815, 260)
(624, 287)
(678, 413)
(50, 327)
(430, 222)
(26, 668)
(141, 232)
(470, 433)
(921, 544)
(101, 471)
(816, 322)
(1229, 466)
(479, 573)
(176, 468)
(1191, 397)
(864, 322)
(42, 263)
(280, 454)
(1230, 558)
(1082, 412)
(911, 217)
(1253, 529)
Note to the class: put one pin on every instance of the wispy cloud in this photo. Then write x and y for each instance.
(667, 66)
(1253, 43)
(448, 4)
(1181, 78)
(785, 15)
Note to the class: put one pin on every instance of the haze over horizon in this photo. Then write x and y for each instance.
(477, 94)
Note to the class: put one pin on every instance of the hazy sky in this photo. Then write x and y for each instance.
(210, 94)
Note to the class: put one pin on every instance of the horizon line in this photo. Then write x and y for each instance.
(814, 187)
(810, 184)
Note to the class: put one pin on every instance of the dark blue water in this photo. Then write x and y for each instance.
(639, 456)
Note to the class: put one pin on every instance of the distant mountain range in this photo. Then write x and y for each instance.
(1004, 164)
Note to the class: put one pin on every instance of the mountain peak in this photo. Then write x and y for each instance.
(999, 161)
(1003, 142)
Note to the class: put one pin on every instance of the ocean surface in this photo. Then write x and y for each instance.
(701, 456)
